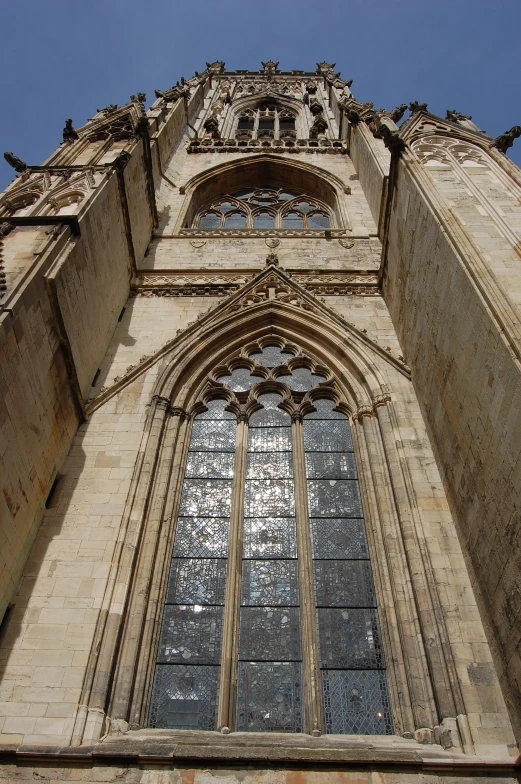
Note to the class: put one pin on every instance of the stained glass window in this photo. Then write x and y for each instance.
(264, 207)
(268, 649)
(186, 681)
(354, 684)
(268, 697)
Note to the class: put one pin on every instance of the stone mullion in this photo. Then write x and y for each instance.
(232, 600)
(99, 672)
(410, 628)
(168, 496)
(313, 706)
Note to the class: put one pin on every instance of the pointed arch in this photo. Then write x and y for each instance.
(271, 309)
(263, 169)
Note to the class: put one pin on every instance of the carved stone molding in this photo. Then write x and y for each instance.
(247, 233)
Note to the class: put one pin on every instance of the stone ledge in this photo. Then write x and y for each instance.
(168, 747)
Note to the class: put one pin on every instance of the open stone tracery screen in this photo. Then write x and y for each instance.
(269, 647)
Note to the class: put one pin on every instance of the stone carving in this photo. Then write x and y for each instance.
(110, 109)
(506, 140)
(272, 243)
(17, 164)
(346, 243)
(415, 107)
(270, 69)
(392, 139)
(5, 228)
(69, 133)
(211, 126)
(272, 258)
(197, 243)
(455, 116)
(139, 98)
(397, 113)
(318, 127)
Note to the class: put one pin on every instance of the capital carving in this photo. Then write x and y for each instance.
(296, 416)
(364, 411)
(161, 402)
(177, 411)
(242, 416)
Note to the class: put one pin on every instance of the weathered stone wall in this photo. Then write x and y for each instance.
(371, 161)
(468, 381)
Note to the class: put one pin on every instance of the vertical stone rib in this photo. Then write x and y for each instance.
(313, 707)
(128, 546)
(410, 629)
(167, 495)
(232, 601)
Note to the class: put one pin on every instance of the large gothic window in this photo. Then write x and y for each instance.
(270, 580)
(264, 207)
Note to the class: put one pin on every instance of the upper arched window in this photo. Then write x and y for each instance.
(270, 620)
(266, 121)
(266, 207)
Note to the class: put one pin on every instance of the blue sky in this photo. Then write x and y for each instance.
(61, 58)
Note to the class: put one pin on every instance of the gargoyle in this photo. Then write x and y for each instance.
(17, 164)
(69, 133)
(506, 140)
(398, 112)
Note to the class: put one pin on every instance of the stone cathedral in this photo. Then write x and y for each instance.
(260, 442)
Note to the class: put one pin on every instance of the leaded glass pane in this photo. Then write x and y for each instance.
(216, 410)
(269, 465)
(210, 221)
(185, 698)
(269, 439)
(269, 537)
(330, 465)
(206, 498)
(269, 697)
(327, 436)
(269, 498)
(191, 634)
(318, 221)
(356, 702)
(293, 221)
(235, 220)
(213, 435)
(270, 582)
(271, 356)
(349, 638)
(334, 498)
(269, 634)
(269, 418)
(344, 584)
(304, 206)
(196, 581)
(263, 220)
(225, 206)
(201, 537)
(240, 379)
(301, 379)
(324, 410)
(338, 538)
(215, 465)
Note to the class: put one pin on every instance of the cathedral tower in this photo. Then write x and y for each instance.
(260, 449)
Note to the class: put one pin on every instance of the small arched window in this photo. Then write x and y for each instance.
(266, 121)
(270, 580)
(266, 207)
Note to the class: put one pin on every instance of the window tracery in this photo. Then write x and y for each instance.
(266, 121)
(271, 450)
(264, 207)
